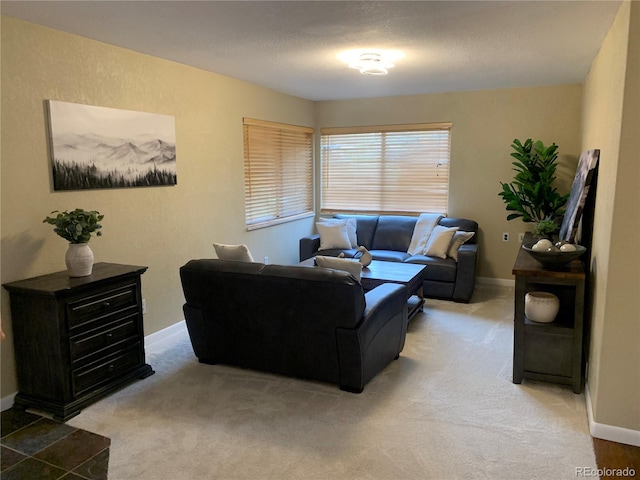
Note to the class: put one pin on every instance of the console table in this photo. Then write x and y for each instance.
(552, 352)
(77, 339)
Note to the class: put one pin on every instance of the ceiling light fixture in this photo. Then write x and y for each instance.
(369, 61)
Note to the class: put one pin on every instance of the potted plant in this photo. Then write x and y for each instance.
(532, 195)
(76, 227)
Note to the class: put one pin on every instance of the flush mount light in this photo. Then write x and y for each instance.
(371, 61)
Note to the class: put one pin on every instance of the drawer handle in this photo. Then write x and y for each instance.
(106, 304)
(109, 336)
(111, 367)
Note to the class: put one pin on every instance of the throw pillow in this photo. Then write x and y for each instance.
(439, 240)
(238, 253)
(459, 238)
(333, 235)
(352, 224)
(351, 266)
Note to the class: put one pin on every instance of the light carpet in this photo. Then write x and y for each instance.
(447, 409)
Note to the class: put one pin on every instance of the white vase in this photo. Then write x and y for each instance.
(541, 307)
(79, 260)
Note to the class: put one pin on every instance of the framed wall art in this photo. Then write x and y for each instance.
(579, 190)
(98, 147)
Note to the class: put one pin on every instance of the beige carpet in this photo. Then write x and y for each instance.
(447, 409)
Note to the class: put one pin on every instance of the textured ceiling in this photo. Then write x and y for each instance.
(291, 46)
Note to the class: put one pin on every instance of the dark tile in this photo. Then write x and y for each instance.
(95, 468)
(72, 476)
(74, 449)
(9, 458)
(36, 436)
(13, 420)
(31, 469)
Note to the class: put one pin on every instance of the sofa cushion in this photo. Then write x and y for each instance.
(238, 253)
(333, 235)
(459, 238)
(352, 225)
(440, 269)
(393, 232)
(439, 241)
(353, 267)
(366, 227)
(389, 255)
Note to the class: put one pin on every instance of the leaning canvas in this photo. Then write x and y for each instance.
(579, 190)
(98, 147)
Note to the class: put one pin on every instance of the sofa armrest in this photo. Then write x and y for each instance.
(377, 340)
(308, 246)
(466, 272)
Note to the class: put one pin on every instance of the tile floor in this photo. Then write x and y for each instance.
(36, 447)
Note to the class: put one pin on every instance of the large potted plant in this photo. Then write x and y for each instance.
(76, 227)
(532, 195)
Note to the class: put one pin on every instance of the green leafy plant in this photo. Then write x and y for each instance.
(76, 226)
(531, 194)
(545, 228)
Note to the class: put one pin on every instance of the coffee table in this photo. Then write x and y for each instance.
(379, 272)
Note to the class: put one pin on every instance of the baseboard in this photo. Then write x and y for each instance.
(162, 335)
(501, 282)
(7, 402)
(609, 432)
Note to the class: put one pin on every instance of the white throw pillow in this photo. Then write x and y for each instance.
(239, 253)
(333, 235)
(351, 266)
(458, 239)
(439, 240)
(352, 225)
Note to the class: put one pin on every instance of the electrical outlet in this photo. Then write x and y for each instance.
(144, 306)
(505, 237)
(520, 237)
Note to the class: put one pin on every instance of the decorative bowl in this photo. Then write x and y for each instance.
(556, 258)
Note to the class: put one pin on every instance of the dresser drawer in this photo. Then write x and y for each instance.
(104, 370)
(105, 303)
(104, 337)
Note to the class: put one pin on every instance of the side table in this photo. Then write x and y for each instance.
(77, 339)
(551, 352)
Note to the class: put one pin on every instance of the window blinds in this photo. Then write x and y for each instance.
(390, 169)
(278, 172)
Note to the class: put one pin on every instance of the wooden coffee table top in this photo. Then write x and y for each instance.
(378, 272)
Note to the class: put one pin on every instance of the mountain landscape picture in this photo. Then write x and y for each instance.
(99, 147)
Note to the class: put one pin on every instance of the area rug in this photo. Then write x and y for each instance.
(446, 409)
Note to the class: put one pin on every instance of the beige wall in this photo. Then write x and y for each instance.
(484, 125)
(611, 123)
(160, 227)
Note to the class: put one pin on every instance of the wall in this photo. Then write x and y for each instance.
(611, 123)
(161, 227)
(484, 126)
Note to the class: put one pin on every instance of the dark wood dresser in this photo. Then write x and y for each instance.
(77, 339)
(551, 352)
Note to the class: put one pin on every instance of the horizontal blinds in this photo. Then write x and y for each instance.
(403, 168)
(278, 167)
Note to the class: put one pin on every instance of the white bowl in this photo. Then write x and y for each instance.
(541, 307)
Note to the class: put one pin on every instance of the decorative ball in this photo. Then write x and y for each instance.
(567, 247)
(542, 245)
(541, 307)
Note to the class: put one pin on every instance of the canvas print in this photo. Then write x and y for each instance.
(99, 147)
(579, 190)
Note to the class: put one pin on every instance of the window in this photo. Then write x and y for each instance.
(386, 169)
(278, 172)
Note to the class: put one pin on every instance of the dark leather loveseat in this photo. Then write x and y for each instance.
(306, 322)
(387, 237)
